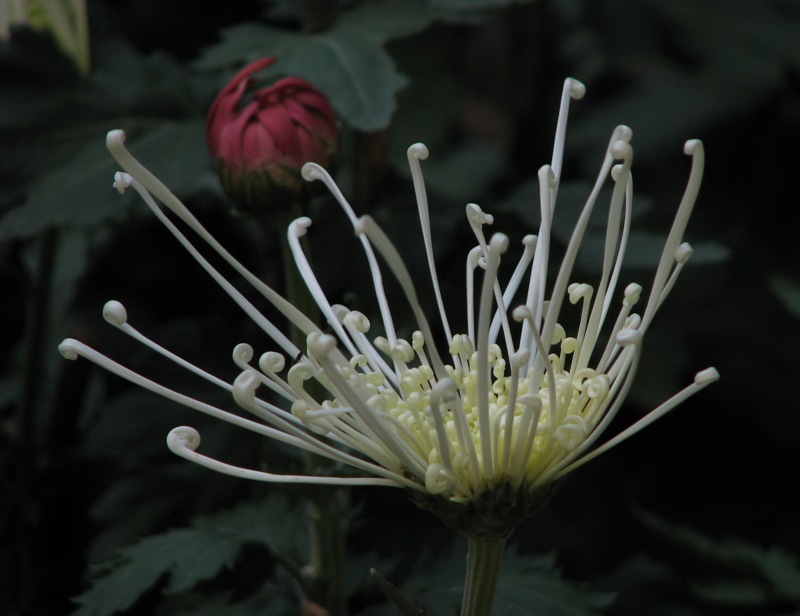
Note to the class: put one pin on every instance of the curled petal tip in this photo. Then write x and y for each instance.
(683, 252)
(617, 171)
(114, 312)
(438, 479)
(122, 181)
(691, 146)
(477, 215)
(576, 88)
(621, 150)
(322, 345)
(67, 349)
(632, 293)
(520, 313)
(531, 401)
(242, 352)
(418, 151)
(183, 437)
(357, 321)
(115, 138)
(629, 336)
(272, 362)
(704, 377)
(299, 226)
(622, 133)
(244, 389)
(311, 172)
(499, 242)
(579, 291)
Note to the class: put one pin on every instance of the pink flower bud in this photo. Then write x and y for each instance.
(260, 138)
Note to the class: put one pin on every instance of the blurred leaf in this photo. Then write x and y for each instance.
(734, 571)
(731, 58)
(80, 194)
(126, 82)
(347, 62)
(647, 586)
(142, 565)
(764, 29)
(788, 292)
(386, 20)
(190, 555)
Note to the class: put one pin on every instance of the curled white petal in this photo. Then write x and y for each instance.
(182, 438)
(114, 312)
(523, 404)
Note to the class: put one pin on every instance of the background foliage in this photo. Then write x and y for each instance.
(691, 517)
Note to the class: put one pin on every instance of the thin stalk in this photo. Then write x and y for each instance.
(328, 514)
(483, 565)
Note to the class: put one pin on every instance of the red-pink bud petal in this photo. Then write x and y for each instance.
(260, 146)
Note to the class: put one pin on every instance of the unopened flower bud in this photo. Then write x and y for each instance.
(260, 138)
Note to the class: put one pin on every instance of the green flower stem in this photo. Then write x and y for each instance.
(328, 514)
(483, 565)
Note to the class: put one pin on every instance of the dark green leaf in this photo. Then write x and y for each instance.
(386, 20)
(357, 75)
(761, 28)
(735, 51)
(647, 586)
(190, 555)
(127, 83)
(729, 562)
(348, 62)
(80, 194)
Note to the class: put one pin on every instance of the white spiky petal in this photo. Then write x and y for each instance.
(520, 405)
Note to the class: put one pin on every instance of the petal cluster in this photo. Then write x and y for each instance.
(512, 403)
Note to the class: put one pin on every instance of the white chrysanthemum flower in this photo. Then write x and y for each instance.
(517, 401)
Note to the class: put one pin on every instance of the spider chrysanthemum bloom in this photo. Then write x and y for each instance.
(477, 424)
